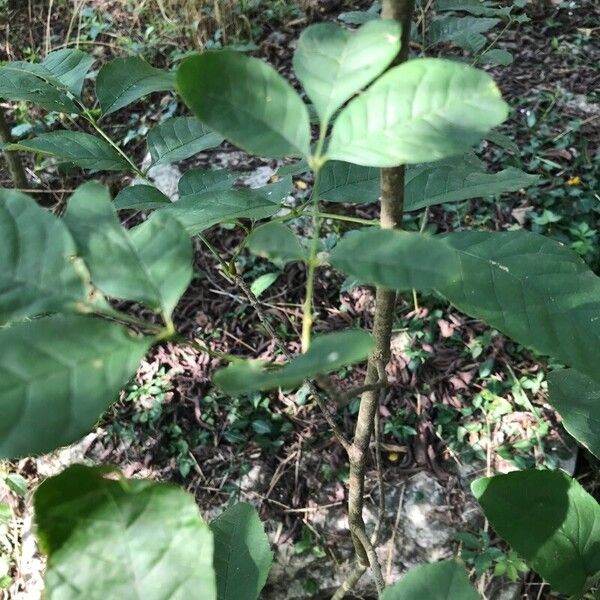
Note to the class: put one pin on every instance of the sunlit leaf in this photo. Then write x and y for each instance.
(420, 111)
(122, 538)
(333, 63)
(246, 101)
(445, 580)
(242, 553)
(57, 376)
(328, 352)
(550, 520)
(39, 270)
(577, 400)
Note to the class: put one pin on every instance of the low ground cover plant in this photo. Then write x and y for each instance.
(383, 127)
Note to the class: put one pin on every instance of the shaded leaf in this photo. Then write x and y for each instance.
(474, 7)
(346, 182)
(531, 288)
(459, 178)
(140, 197)
(82, 149)
(496, 56)
(122, 538)
(17, 83)
(125, 80)
(423, 110)
(566, 524)
(577, 400)
(328, 352)
(462, 31)
(333, 63)
(64, 69)
(445, 580)
(242, 553)
(247, 102)
(198, 212)
(179, 138)
(57, 376)
(39, 270)
(276, 242)
(197, 181)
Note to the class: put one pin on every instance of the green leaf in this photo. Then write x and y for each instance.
(328, 352)
(247, 102)
(462, 31)
(65, 69)
(562, 541)
(459, 178)
(198, 212)
(82, 149)
(140, 197)
(263, 283)
(242, 553)
(474, 7)
(445, 580)
(122, 538)
(150, 263)
(19, 84)
(448, 180)
(40, 273)
(333, 63)
(197, 181)
(179, 138)
(16, 483)
(577, 400)
(166, 254)
(346, 182)
(423, 110)
(531, 288)
(57, 375)
(125, 80)
(496, 57)
(276, 242)
(501, 140)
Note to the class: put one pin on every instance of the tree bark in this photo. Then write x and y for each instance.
(15, 166)
(392, 209)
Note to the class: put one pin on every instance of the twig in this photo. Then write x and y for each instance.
(13, 160)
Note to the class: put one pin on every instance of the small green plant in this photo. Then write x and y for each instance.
(402, 130)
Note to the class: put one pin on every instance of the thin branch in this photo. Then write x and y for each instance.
(13, 160)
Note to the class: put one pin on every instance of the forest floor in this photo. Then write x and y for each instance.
(463, 399)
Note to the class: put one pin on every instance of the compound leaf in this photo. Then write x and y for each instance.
(577, 400)
(179, 138)
(82, 149)
(122, 538)
(328, 352)
(423, 110)
(242, 553)
(125, 80)
(445, 580)
(57, 376)
(40, 272)
(566, 524)
(247, 102)
(333, 63)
